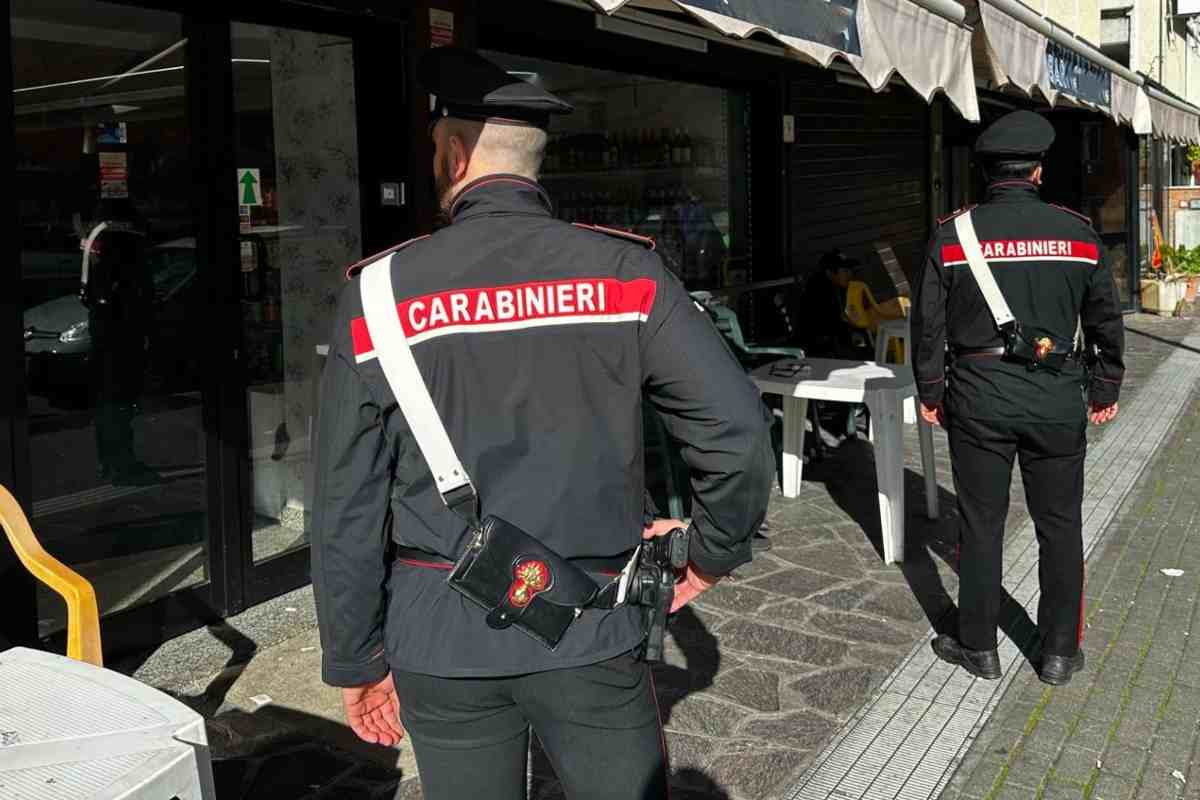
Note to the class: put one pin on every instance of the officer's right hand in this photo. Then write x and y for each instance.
(373, 711)
(1101, 414)
(694, 582)
(935, 415)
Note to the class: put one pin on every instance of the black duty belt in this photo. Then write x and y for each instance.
(995, 352)
(423, 558)
(968, 352)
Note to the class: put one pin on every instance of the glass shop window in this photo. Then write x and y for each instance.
(660, 158)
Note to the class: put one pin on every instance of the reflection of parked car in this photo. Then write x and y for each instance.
(58, 342)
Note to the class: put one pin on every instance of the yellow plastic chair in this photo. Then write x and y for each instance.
(865, 314)
(83, 616)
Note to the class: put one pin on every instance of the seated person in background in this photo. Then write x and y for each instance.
(826, 330)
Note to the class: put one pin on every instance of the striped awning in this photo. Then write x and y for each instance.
(877, 38)
(1171, 122)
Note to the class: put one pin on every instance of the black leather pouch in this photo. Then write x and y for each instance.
(1037, 347)
(521, 583)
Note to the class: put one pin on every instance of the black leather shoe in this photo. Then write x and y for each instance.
(980, 663)
(1057, 670)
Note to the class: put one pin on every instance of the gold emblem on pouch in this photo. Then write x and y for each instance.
(1043, 347)
(530, 578)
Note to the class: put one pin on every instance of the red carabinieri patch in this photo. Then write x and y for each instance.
(530, 578)
(1011, 250)
(515, 307)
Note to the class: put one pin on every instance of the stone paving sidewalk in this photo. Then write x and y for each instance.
(761, 673)
(1126, 727)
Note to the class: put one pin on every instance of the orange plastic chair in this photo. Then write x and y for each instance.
(83, 616)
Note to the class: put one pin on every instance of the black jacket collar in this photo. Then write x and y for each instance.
(1012, 191)
(501, 194)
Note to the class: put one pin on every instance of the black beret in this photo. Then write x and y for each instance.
(1019, 134)
(466, 85)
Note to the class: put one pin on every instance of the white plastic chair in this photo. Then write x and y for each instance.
(74, 731)
(897, 329)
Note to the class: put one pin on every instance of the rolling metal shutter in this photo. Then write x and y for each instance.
(859, 174)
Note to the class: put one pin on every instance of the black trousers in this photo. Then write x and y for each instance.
(598, 724)
(1051, 458)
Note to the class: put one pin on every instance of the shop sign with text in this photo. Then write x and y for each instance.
(1078, 76)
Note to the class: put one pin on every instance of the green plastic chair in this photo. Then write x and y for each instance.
(750, 355)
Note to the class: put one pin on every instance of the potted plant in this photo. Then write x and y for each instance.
(1189, 272)
(1161, 291)
(1175, 282)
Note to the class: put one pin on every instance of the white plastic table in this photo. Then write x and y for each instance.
(883, 387)
(72, 731)
(897, 329)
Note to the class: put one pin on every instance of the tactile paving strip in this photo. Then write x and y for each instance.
(907, 740)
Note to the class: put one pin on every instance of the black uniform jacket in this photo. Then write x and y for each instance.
(1050, 266)
(536, 339)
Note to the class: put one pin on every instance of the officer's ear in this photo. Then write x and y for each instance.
(461, 142)
(1036, 177)
(456, 157)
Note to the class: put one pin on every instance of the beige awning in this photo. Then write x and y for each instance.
(1011, 52)
(877, 38)
(1171, 121)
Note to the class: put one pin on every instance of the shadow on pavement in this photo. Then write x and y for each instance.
(848, 474)
(279, 753)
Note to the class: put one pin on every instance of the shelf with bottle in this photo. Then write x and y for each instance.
(629, 207)
(621, 154)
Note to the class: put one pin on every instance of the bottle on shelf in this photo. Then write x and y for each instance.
(685, 149)
(664, 147)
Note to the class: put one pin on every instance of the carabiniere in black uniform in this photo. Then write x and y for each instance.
(538, 340)
(1050, 266)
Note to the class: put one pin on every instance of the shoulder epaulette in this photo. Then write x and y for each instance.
(1073, 213)
(357, 266)
(953, 214)
(644, 241)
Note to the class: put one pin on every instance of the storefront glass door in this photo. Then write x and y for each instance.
(300, 226)
(112, 299)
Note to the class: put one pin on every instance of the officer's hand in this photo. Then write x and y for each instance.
(661, 527)
(693, 584)
(1101, 414)
(373, 711)
(935, 415)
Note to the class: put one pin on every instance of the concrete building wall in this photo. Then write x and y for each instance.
(1164, 49)
(1081, 17)
(1192, 67)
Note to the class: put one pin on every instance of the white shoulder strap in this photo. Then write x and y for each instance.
(400, 369)
(982, 272)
